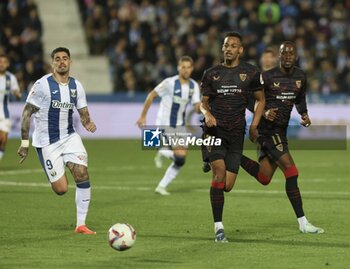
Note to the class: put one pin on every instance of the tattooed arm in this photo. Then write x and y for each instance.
(85, 120)
(28, 111)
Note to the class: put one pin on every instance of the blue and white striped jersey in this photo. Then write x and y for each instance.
(56, 101)
(174, 99)
(8, 84)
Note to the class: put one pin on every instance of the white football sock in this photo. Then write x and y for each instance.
(167, 153)
(218, 225)
(169, 176)
(302, 221)
(82, 200)
(1, 154)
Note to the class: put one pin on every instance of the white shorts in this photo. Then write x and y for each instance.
(54, 157)
(5, 125)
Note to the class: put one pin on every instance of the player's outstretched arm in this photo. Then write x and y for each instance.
(28, 110)
(210, 120)
(149, 100)
(88, 124)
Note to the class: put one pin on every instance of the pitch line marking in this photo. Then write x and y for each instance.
(127, 188)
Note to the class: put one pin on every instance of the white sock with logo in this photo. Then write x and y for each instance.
(302, 221)
(217, 226)
(82, 200)
(167, 153)
(169, 176)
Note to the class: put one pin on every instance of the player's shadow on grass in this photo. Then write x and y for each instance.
(179, 237)
(234, 239)
(144, 260)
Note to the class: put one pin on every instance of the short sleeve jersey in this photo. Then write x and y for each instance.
(282, 91)
(174, 100)
(8, 84)
(229, 90)
(56, 101)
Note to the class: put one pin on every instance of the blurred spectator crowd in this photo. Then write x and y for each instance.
(20, 40)
(143, 39)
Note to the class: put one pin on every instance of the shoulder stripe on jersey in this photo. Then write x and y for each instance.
(54, 113)
(6, 96)
(175, 106)
(73, 99)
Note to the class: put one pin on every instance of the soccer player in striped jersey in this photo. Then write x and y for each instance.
(8, 85)
(52, 100)
(175, 93)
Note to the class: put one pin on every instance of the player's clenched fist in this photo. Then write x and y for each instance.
(271, 114)
(91, 127)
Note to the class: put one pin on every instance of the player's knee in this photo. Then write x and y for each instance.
(228, 187)
(219, 174)
(291, 171)
(60, 191)
(264, 180)
(81, 174)
(179, 160)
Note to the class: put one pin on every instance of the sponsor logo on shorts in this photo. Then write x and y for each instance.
(82, 158)
(279, 147)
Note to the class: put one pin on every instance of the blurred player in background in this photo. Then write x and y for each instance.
(284, 85)
(226, 89)
(51, 101)
(8, 85)
(268, 59)
(175, 93)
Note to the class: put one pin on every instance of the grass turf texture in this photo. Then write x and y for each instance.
(37, 226)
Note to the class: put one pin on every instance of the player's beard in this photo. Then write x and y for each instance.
(63, 71)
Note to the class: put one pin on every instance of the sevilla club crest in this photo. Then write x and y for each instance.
(243, 76)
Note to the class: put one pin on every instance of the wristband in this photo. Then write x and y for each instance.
(25, 143)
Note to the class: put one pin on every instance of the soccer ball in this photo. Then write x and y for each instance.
(121, 236)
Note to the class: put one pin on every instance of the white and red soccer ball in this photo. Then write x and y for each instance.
(121, 236)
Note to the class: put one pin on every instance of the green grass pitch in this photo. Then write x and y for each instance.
(36, 226)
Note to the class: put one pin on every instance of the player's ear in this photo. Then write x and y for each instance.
(223, 48)
(241, 50)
